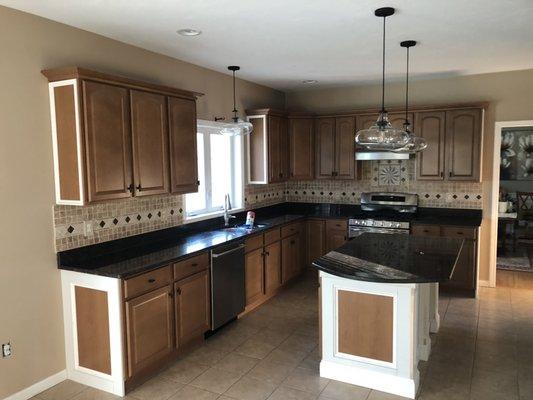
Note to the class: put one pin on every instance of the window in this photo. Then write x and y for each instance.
(219, 171)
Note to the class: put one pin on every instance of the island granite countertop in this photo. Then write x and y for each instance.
(375, 257)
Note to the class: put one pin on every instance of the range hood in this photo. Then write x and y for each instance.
(368, 155)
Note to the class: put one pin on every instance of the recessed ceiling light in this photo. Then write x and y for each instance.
(189, 32)
(309, 81)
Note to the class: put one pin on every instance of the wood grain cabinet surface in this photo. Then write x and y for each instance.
(301, 148)
(336, 234)
(316, 239)
(254, 275)
(272, 267)
(335, 148)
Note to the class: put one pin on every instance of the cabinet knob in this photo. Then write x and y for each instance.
(292, 242)
(198, 183)
(451, 174)
(139, 188)
(194, 264)
(441, 174)
(178, 290)
(151, 280)
(131, 188)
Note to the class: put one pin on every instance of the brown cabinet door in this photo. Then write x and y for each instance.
(325, 148)
(149, 329)
(430, 162)
(336, 234)
(108, 141)
(463, 144)
(272, 267)
(284, 149)
(397, 120)
(253, 275)
(301, 147)
(345, 148)
(289, 257)
(182, 134)
(150, 143)
(193, 307)
(274, 146)
(316, 239)
(365, 121)
(463, 277)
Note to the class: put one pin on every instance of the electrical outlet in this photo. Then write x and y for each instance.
(87, 228)
(6, 350)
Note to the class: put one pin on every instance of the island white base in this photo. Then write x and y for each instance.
(374, 334)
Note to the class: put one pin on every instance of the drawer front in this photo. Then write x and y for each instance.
(290, 229)
(253, 243)
(336, 224)
(459, 232)
(425, 230)
(272, 236)
(190, 266)
(147, 282)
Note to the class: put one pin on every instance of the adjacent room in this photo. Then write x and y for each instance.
(282, 200)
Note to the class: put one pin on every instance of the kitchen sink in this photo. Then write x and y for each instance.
(244, 228)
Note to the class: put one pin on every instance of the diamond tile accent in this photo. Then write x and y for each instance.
(70, 229)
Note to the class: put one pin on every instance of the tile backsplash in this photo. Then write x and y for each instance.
(121, 218)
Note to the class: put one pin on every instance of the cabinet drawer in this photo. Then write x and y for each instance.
(290, 229)
(272, 235)
(425, 230)
(336, 224)
(459, 232)
(253, 243)
(191, 266)
(147, 282)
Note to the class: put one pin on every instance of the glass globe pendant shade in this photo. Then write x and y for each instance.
(238, 128)
(414, 145)
(382, 136)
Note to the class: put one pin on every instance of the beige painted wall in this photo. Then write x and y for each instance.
(510, 94)
(30, 295)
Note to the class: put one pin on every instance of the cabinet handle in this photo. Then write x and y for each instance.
(198, 183)
(178, 290)
(131, 188)
(267, 253)
(442, 174)
(292, 242)
(280, 175)
(459, 233)
(151, 280)
(425, 231)
(451, 174)
(139, 188)
(194, 264)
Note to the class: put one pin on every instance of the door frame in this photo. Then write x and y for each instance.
(499, 126)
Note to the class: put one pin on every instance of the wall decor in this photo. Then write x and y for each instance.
(516, 155)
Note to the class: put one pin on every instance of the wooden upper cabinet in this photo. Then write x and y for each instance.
(345, 148)
(325, 148)
(284, 148)
(430, 125)
(183, 147)
(463, 144)
(301, 147)
(108, 141)
(150, 143)
(274, 149)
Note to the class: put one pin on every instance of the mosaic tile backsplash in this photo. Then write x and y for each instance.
(81, 226)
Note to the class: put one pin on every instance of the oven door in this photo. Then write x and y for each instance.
(354, 231)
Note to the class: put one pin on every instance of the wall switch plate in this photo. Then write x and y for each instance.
(6, 350)
(87, 228)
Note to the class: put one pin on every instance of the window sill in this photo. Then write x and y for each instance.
(203, 217)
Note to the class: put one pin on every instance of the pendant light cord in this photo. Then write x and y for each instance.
(383, 71)
(234, 102)
(407, 93)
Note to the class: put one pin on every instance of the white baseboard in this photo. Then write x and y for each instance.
(39, 387)
(483, 283)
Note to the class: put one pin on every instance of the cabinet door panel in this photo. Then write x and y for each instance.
(430, 162)
(336, 234)
(193, 307)
(284, 148)
(463, 277)
(287, 259)
(345, 148)
(274, 145)
(253, 275)
(182, 134)
(463, 144)
(316, 239)
(149, 329)
(301, 143)
(150, 143)
(272, 267)
(325, 148)
(108, 141)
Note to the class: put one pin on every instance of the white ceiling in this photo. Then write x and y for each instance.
(281, 42)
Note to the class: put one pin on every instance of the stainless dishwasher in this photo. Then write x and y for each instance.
(227, 283)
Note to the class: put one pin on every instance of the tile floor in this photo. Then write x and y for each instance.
(483, 351)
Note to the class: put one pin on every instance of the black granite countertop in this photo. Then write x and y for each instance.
(375, 257)
(124, 258)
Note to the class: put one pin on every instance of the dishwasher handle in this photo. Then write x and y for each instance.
(215, 255)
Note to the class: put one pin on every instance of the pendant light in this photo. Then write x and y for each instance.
(382, 136)
(415, 143)
(239, 127)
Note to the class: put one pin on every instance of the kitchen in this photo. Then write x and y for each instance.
(161, 294)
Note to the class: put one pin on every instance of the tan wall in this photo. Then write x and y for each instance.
(510, 94)
(29, 281)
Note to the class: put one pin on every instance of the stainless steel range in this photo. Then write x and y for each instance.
(384, 213)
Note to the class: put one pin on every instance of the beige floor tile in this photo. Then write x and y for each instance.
(273, 336)
(289, 357)
(299, 342)
(95, 394)
(269, 371)
(236, 363)
(157, 388)
(255, 348)
(306, 380)
(286, 393)
(184, 371)
(188, 392)
(343, 391)
(488, 385)
(312, 362)
(248, 388)
(205, 356)
(376, 395)
(216, 380)
(62, 391)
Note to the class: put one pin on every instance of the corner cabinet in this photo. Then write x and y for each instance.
(115, 138)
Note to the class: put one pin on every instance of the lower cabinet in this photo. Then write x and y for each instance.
(192, 305)
(336, 234)
(316, 239)
(272, 267)
(290, 257)
(149, 329)
(253, 275)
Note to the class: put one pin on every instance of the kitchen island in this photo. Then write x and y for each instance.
(378, 304)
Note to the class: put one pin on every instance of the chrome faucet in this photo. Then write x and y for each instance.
(227, 207)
